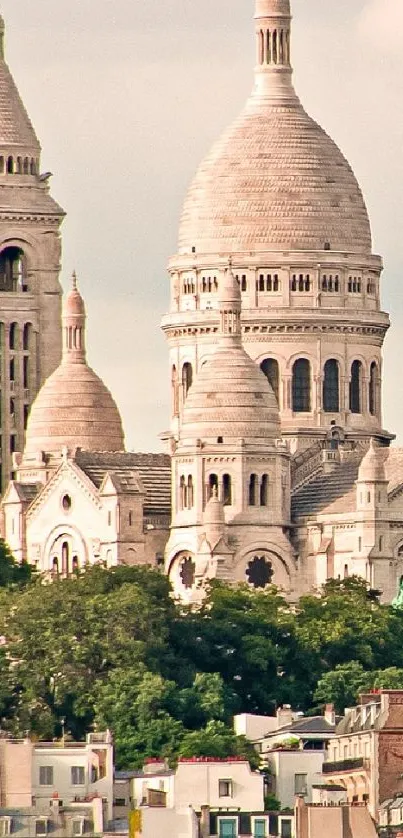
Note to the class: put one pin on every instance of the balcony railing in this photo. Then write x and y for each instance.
(344, 765)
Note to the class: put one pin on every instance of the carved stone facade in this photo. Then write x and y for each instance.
(277, 200)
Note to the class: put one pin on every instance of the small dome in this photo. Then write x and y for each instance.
(230, 398)
(372, 468)
(74, 304)
(74, 408)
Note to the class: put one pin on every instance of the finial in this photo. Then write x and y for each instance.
(2, 31)
(74, 281)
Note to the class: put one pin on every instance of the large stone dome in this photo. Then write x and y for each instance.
(74, 408)
(274, 181)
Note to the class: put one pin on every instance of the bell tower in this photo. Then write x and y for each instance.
(30, 252)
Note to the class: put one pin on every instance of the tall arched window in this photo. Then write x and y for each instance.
(12, 340)
(227, 490)
(373, 385)
(190, 493)
(264, 490)
(331, 387)
(12, 269)
(253, 488)
(187, 378)
(65, 558)
(270, 368)
(26, 337)
(212, 485)
(356, 387)
(301, 386)
(175, 402)
(182, 492)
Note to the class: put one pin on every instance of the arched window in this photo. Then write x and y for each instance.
(175, 401)
(294, 283)
(337, 284)
(190, 493)
(356, 387)
(261, 282)
(301, 282)
(373, 383)
(26, 337)
(264, 490)
(274, 47)
(253, 488)
(1, 165)
(65, 558)
(12, 269)
(324, 283)
(26, 165)
(75, 567)
(331, 387)
(301, 386)
(10, 165)
(12, 339)
(12, 369)
(270, 368)
(276, 286)
(19, 165)
(25, 371)
(227, 490)
(182, 492)
(55, 567)
(187, 378)
(212, 485)
(243, 283)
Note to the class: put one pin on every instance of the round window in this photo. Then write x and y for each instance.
(66, 503)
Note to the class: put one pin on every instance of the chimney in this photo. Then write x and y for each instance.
(330, 715)
(284, 715)
(205, 822)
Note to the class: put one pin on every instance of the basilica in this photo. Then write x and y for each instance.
(278, 468)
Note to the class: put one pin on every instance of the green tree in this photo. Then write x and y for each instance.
(217, 740)
(13, 573)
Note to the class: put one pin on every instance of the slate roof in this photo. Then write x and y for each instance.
(325, 490)
(305, 725)
(15, 125)
(154, 471)
(28, 491)
(334, 493)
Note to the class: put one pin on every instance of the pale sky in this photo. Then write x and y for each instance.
(127, 96)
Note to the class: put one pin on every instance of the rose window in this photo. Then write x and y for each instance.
(259, 572)
(187, 572)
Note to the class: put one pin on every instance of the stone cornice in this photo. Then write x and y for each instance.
(254, 333)
(37, 218)
(275, 259)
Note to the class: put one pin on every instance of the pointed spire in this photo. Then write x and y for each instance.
(230, 305)
(74, 318)
(2, 34)
(273, 74)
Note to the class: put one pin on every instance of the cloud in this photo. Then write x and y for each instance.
(380, 24)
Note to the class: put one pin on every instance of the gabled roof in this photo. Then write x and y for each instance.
(154, 471)
(26, 492)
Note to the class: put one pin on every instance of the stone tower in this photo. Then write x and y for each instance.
(277, 196)
(30, 293)
(230, 472)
